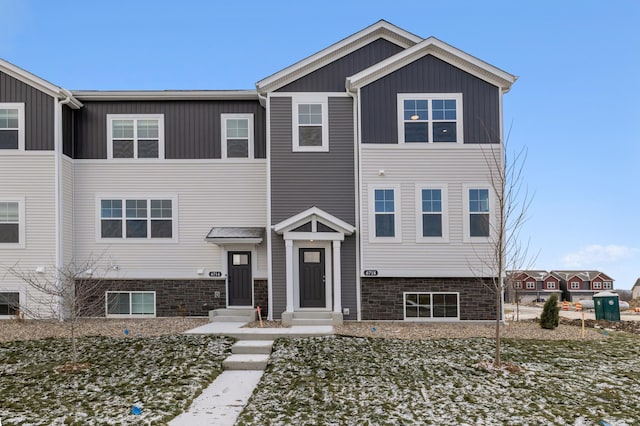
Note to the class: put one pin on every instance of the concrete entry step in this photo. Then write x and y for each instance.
(232, 315)
(246, 362)
(252, 347)
(230, 318)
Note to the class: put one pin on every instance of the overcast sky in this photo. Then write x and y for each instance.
(574, 107)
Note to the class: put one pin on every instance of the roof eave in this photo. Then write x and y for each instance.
(155, 95)
(381, 29)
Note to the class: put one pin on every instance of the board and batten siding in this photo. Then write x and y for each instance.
(331, 77)
(301, 180)
(480, 100)
(30, 176)
(38, 110)
(191, 128)
(209, 193)
(404, 167)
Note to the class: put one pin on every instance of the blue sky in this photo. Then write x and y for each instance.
(574, 106)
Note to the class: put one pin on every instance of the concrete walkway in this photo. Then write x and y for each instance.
(222, 401)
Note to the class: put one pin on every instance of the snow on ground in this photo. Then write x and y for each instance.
(346, 380)
(164, 374)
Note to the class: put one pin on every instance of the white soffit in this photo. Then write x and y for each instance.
(381, 29)
(441, 50)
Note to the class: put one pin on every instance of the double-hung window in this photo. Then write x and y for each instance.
(11, 126)
(137, 218)
(597, 285)
(310, 124)
(430, 118)
(139, 136)
(432, 223)
(385, 218)
(478, 210)
(551, 285)
(607, 285)
(11, 223)
(531, 285)
(131, 303)
(237, 135)
(9, 303)
(575, 285)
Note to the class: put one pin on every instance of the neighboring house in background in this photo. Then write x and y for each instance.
(577, 285)
(635, 290)
(533, 285)
(353, 184)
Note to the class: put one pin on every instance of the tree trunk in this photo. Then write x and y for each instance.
(496, 361)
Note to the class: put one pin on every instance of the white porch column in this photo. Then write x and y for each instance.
(289, 274)
(337, 281)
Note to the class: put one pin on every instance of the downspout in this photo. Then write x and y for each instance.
(264, 102)
(57, 147)
(356, 160)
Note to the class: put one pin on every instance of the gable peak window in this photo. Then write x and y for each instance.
(137, 136)
(430, 118)
(237, 135)
(310, 124)
(11, 126)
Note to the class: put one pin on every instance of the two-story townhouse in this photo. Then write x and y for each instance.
(35, 182)
(527, 286)
(577, 285)
(353, 184)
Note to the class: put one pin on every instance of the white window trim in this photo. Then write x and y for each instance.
(124, 240)
(310, 99)
(466, 237)
(21, 300)
(429, 97)
(429, 319)
(531, 285)
(597, 285)
(518, 285)
(607, 285)
(159, 117)
(551, 285)
(576, 286)
(21, 224)
(223, 136)
(130, 314)
(397, 238)
(21, 126)
(444, 189)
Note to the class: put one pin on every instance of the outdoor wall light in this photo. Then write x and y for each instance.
(200, 271)
(380, 172)
(40, 270)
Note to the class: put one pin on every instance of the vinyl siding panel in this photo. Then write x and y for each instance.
(192, 128)
(38, 111)
(331, 77)
(30, 176)
(208, 194)
(481, 103)
(405, 168)
(301, 180)
(67, 209)
(68, 116)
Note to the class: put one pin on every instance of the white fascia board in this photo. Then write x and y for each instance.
(441, 50)
(299, 219)
(381, 29)
(152, 95)
(37, 82)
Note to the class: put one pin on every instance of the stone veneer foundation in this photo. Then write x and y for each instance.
(383, 298)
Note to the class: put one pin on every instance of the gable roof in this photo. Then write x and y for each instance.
(381, 29)
(314, 213)
(38, 83)
(441, 50)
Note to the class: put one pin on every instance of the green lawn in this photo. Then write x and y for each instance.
(346, 380)
(164, 373)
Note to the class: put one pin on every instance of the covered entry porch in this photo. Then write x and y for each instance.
(313, 266)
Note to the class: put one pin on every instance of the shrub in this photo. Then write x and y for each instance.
(550, 313)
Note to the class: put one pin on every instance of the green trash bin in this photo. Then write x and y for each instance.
(607, 306)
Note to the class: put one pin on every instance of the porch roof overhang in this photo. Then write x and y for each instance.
(235, 235)
(314, 215)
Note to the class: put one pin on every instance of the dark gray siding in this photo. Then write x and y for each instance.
(480, 100)
(331, 77)
(191, 128)
(301, 180)
(68, 116)
(38, 110)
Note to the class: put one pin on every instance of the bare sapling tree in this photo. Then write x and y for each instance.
(66, 294)
(505, 252)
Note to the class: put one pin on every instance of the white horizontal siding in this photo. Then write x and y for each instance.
(208, 194)
(405, 166)
(29, 176)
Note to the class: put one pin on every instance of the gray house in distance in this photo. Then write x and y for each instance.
(352, 185)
